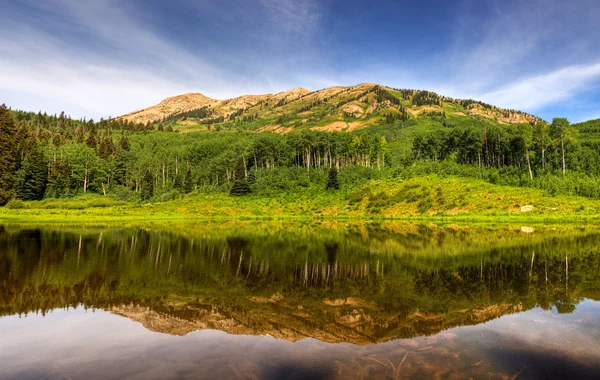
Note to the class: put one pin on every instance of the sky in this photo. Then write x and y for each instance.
(102, 58)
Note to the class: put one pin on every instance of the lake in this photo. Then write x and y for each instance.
(297, 300)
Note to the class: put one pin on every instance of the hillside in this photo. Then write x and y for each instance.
(331, 109)
(589, 131)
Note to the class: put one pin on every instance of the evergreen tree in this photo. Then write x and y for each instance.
(147, 190)
(178, 182)
(9, 155)
(332, 180)
(124, 142)
(92, 140)
(34, 177)
(240, 185)
(59, 179)
(120, 173)
(106, 147)
(251, 177)
(188, 183)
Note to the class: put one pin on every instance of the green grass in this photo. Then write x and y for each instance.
(422, 198)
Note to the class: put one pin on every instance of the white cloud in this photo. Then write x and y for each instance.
(541, 90)
(99, 58)
(525, 54)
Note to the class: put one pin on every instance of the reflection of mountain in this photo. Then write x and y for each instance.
(364, 287)
(329, 324)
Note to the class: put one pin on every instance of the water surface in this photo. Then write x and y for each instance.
(299, 300)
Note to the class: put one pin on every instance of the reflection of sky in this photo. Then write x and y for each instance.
(79, 343)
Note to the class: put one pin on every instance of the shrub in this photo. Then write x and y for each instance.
(16, 204)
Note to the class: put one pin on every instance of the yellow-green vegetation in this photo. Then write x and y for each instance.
(425, 197)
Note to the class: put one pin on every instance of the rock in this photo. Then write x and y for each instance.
(527, 230)
(527, 208)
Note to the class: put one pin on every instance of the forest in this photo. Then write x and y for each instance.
(55, 156)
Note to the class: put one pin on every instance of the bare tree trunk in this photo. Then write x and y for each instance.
(529, 165)
(564, 164)
(85, 178)
(543, 156)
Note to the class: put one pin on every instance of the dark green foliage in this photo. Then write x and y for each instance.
(240, 185)
(106, 148)
(33, 177)
(252, 176)
(120, 171)
(332, 179)
(188, 183)
(147, 190)
(200, 113)
(124, 143)
(178, 182)
(59, 179)
(9, 155)
(92, 139)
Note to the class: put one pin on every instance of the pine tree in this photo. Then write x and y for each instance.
(106, 147)
(188, 183)
(332, 181)
(240, 185)
(9, 155)
(178, 182)
(59, 179)
(34, 177)
(120, 173)
(124, 142)
(92, 140)
(147, 190)
(251, 177)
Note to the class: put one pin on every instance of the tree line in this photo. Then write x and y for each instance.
(539, 147)
(47, 156)
(60, 157)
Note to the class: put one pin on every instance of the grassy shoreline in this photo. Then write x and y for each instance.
(424, 199)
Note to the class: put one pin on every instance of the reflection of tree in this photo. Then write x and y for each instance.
(393, 295)
(331, 249)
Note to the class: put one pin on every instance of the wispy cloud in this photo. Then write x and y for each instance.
(541, 90)
(109, 57)
(101, 58)
(524, 54)
(298, 16)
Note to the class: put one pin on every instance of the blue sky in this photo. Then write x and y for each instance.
(101, 58)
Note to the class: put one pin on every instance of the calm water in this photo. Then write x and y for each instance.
(299, 300)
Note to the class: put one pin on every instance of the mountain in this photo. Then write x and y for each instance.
(335, 108)
(175, 104)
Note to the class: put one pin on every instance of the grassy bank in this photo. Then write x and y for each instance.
(423, 198)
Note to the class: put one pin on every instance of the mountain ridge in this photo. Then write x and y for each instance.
(336, 108)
